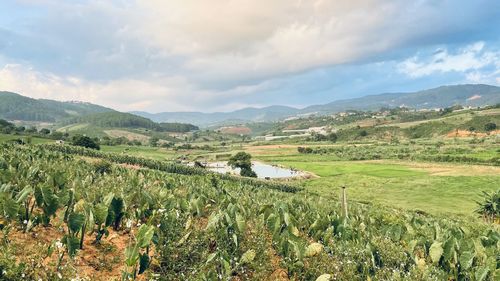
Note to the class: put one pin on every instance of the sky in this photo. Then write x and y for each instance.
(223, 55)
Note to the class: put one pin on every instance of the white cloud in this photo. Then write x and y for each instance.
(123, 94)
(172, 93)
(161, 55)
(468, 60)
(249, 39)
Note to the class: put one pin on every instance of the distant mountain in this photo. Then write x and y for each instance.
(16, 107)
(445, 96)
(265, 114)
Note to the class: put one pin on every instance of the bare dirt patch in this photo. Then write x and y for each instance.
(279, 273)
(235, 130)
(130, 166)
(128, 135)
(469, 134)
(104, 261)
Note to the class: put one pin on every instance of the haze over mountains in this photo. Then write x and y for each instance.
(16, 107)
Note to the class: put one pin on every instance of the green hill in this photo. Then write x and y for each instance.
(17, 107)
(115, 119)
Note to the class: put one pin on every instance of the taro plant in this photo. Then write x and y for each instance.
(48, 201)
(137, 259)
(116, 211)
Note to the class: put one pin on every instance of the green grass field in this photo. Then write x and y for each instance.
(442, 188)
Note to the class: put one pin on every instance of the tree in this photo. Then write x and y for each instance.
(363, 133)
(153, 141)
(490, 126)
(57, 135)
(85, 141)
(44, 131)
(243, 161)
(332, 137)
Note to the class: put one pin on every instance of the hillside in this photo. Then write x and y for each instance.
(17, 107)
(117, 119)
(267, 114)
(445, 96)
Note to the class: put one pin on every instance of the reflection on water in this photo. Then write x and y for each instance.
(262, 170)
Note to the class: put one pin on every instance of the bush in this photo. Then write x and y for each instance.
(85, 141)
(490, 126)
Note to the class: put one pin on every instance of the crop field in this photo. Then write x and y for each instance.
(66, 217)
(34, 140)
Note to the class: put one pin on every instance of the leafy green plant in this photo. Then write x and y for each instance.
(137, 258)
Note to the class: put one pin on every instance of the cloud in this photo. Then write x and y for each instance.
(187, 54)
(477, 64)
(123, 94)
(172, 93)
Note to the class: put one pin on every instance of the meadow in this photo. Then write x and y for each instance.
(433, 187)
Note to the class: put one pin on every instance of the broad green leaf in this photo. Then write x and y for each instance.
(436, 251)
(287, 219)
(240, 222)
(184, 239)
(211, 257)
(324, 277)
(75, 222)
(144, 235)
(482, 273)
(79, 206)
(100, 213)
(466, 259)
(24, 194)
(188, 223)
(449, 248)
(213, 220)
(72, 244)
(235, 240)
(10, 208)
(247, 257)
(144, 262)
(313, 249)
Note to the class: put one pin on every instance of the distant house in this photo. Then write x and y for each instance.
(59, 142)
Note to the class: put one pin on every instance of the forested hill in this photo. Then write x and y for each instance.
(17, 107)
(117, 119)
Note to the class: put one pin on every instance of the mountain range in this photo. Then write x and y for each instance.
(17, 107)
(440, 97)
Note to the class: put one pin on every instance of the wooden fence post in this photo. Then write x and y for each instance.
(344, 203)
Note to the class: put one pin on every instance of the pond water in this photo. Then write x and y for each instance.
(262, 170)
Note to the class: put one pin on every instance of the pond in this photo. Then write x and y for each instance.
(261, 169)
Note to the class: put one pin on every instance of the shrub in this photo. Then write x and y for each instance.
(490, 126)
(85, 141)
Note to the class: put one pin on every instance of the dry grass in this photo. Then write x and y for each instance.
(128, 135)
